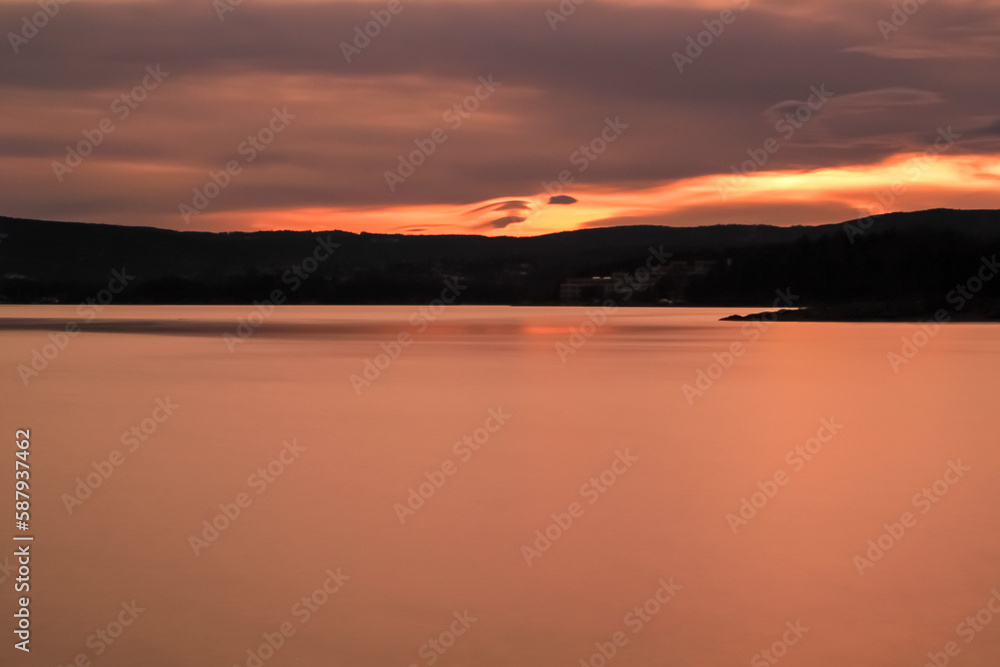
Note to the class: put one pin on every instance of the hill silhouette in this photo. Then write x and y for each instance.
(896, 266)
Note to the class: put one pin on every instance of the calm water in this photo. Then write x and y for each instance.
(668, 469)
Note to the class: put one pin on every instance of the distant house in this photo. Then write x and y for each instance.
(669, 280)
(586, 291)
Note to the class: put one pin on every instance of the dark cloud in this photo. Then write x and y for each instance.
(356, 121)
(500, 223)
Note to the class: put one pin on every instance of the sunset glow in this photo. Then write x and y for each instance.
(205, 126)
(909, 181)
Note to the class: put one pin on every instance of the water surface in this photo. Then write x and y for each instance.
(354, 451)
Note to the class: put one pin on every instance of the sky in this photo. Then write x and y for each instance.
(497, 118)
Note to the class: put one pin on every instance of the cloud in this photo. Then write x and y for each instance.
(356, 121)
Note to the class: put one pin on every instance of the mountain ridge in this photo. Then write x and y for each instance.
(889, 258)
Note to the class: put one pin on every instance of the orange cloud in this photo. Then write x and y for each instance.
(904, 182)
